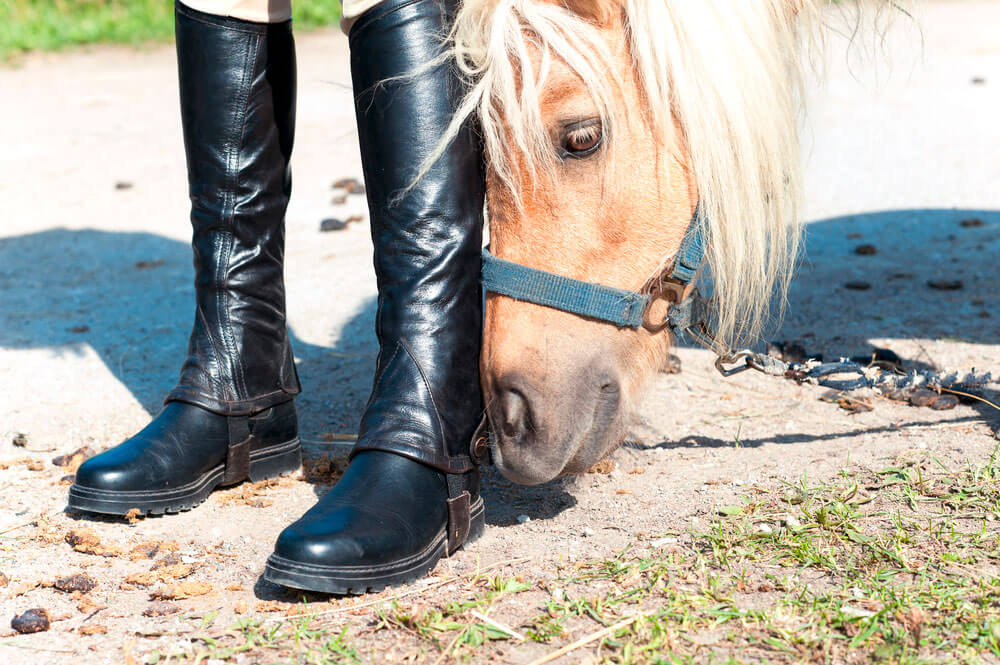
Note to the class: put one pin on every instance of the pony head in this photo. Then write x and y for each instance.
(605, 124)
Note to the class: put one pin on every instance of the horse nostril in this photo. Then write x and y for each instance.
(515, 414)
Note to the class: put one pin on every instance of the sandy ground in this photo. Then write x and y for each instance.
(96, 302)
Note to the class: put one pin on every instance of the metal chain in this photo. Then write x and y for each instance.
(853, 375)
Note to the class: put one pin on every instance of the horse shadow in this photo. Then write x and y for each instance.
(922, 274)
(129, 297)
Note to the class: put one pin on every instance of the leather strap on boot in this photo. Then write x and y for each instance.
(459, 511)
(238, 453)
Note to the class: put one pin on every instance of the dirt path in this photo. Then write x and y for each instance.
(95, 306)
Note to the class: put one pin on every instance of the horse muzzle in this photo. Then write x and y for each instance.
(544, 427)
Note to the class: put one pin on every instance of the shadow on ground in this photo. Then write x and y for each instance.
(879, 276)
(128, 296)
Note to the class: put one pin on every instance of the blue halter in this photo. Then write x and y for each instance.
(625, 309)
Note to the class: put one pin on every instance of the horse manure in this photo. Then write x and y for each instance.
(970, 223)
(31, 621)
(332, 224)
(857, 286)
(80, 582)
(855, 405)
(20, 440)
(349, 185)
(847, 403)
(160, 608)
(922, 397)
(672, 365)
(945, 284)
(883, 358)
(73, 459)
(792, 352)
(944, 402)
(865, 250)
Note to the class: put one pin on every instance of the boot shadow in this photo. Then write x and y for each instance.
(130, 298)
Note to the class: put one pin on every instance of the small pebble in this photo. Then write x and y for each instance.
(587, 531)
(763, 530)
(122, 185)
(523, 519)
(792, 522)
(660, 542)
(558, 593)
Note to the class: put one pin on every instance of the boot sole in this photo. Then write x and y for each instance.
(265, 463)
(357, 580)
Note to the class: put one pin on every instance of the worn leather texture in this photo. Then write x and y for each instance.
(347, 528)
(237, 93)
(179, 445)
(426, 400)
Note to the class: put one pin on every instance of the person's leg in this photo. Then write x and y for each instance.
(411, 491)
(231, 414)
(257, 11)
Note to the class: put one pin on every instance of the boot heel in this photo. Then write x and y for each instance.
(275, 461)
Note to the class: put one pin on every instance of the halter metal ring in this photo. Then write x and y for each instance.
(672, 293)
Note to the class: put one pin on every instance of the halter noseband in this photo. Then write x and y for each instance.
(625, 309)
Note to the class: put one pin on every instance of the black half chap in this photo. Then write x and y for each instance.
(237, 89)
(426, 401)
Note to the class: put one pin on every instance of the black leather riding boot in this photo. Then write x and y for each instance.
(230, 416)
(411, 491)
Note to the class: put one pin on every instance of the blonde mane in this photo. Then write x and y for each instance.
(728, 71)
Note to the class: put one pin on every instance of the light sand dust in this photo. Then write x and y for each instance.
(96, 302)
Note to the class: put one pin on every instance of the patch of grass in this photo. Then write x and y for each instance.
(28, 25)
(893, 565)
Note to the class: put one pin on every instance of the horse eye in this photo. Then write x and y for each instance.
(582, 139)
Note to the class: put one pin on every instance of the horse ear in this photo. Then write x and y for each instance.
(603, 13)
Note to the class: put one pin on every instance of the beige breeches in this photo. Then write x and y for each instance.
(271, 11)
